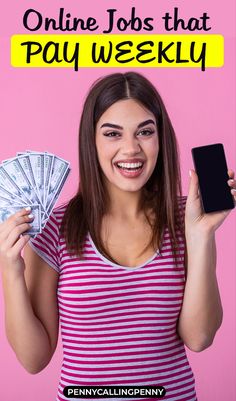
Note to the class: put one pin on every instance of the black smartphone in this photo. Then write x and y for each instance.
(211, 168)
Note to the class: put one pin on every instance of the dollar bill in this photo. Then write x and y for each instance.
(33, 170)
(6, 201)
(9, 210)
(48, 164)
(60, 171)
(44, 179)
(7, 182)
(37, 163)
(17, 173)
(4, 193)
(25, 163)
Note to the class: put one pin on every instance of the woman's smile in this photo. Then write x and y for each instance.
(130, 168)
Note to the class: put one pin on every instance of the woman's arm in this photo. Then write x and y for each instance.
(201, 313)
(29, 287)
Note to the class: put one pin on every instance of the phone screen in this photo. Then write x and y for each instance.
(211, 168)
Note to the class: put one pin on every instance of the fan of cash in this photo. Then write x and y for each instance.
(32, 179)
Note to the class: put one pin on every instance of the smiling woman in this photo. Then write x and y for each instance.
(129, 122)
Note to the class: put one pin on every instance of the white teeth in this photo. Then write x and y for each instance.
(130, 165)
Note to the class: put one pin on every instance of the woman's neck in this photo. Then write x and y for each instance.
(124, 204)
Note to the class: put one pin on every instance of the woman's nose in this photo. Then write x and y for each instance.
(131, 145)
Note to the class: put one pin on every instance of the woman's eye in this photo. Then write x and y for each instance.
(146, 132)
(111, 134)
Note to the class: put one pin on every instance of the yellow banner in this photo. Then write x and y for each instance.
(76, 51)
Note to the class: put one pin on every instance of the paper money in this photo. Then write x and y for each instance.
(8, 210)
(8, 195)
(32, 179)
(17, 173)
(60, 171)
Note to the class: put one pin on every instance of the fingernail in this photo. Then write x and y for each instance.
(231, 180)
(190, 173)
(28, 208)
(30, 215)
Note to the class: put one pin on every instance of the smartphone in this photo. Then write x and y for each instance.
(211, 168)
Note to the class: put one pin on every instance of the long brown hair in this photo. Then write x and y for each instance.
(85, 211)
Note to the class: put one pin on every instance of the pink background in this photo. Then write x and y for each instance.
(40, 110)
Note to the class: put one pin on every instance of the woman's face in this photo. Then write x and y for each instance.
(127, 145)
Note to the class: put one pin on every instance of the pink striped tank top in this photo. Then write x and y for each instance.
(118, 324)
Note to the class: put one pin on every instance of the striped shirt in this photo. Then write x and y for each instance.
(118, 323)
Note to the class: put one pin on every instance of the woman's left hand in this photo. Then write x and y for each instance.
(195, 218)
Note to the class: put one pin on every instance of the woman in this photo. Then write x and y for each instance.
(130, 272)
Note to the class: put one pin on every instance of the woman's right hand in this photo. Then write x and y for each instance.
(12, 241)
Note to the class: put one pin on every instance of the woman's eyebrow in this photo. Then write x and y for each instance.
(142, 124)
